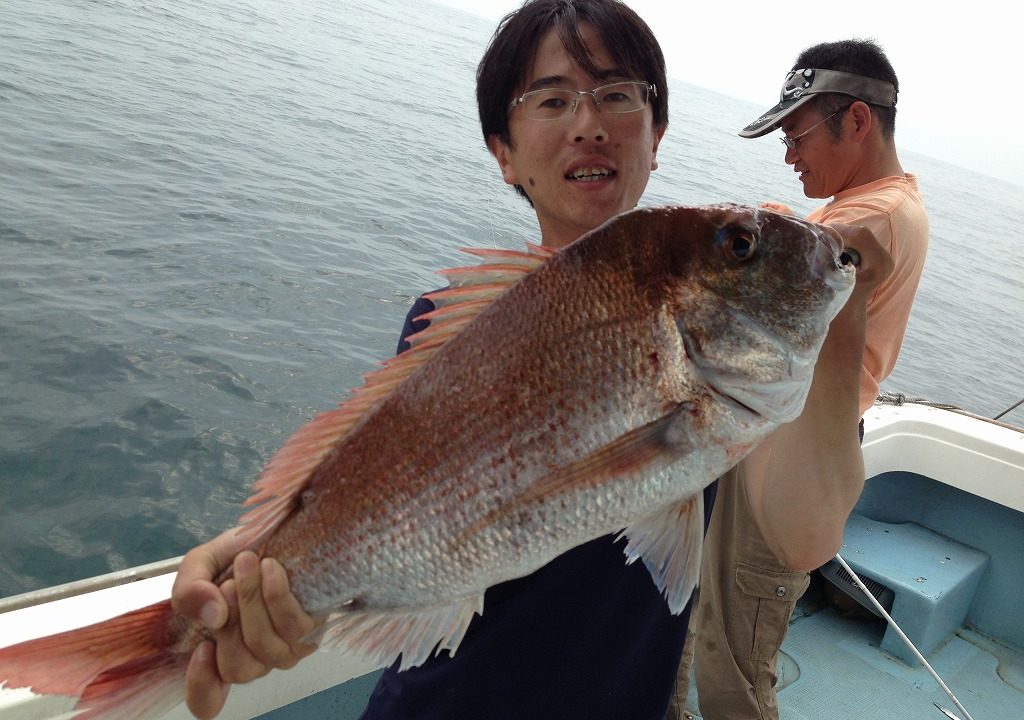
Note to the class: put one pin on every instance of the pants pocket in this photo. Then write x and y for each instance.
(775, 594)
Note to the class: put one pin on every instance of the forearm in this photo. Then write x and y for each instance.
(805, 479)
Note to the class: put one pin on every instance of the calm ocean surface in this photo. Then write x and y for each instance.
(214, 216)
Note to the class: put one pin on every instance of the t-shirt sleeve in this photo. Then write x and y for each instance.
(413, 322)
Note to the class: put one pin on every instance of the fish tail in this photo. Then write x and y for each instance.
(131, 666)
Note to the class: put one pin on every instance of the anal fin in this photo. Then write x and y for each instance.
(670, 542)
(381, 636)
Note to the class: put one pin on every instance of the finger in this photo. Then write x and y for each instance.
(856, 237)
(258, 629)
(206, 561)
(290, 621)
(777, 207)
(193, 594)
(862, 249)
(230, 594)
(841, 232)
(875, 263)
(235, 662)
(205, 692)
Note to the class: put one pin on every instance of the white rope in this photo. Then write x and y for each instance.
(903, 636)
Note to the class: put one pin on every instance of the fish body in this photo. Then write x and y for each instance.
(554, 398)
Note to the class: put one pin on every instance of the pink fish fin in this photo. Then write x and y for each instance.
(381, 636)
(670, 542)
(506, 274)
(659, 442)
(127, 666)
(285, 475)
(501, 269)
(471, 290)
(446, 322)
(533, 257)
(462, 297)
(540, 250)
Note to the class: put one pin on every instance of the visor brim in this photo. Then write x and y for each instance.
(771, 119)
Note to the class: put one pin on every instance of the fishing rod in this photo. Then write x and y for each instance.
(903, 636)
(1012, 407)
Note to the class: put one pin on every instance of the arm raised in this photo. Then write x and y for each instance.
(803, 481)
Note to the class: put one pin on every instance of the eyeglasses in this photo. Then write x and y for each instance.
(792, 142)
(557, 103)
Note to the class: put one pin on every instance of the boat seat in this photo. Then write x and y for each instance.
(929, 579)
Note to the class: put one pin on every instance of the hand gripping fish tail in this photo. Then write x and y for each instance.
(568, 395)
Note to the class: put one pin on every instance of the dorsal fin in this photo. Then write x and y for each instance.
(471, 290)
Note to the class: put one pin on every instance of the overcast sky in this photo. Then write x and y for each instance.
(958, 63)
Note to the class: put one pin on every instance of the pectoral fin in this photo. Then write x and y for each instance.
(659, 442)
(655, 444)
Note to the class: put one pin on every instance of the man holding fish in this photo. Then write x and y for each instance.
(837, 109)
(573, 105)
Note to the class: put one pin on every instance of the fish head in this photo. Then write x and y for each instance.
(753, 294)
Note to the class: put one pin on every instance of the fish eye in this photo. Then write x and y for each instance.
(739, 244)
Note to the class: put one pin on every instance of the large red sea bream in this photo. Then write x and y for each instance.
(564, 395)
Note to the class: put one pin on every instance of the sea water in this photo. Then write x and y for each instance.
(214, 216)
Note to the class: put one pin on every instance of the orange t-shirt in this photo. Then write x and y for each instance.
(893, 210)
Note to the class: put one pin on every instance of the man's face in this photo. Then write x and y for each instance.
(583, 168)
(825, 164)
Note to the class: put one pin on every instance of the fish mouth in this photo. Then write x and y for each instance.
(830, 238)
(839, 274)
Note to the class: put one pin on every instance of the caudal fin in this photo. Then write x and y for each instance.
(131, 666)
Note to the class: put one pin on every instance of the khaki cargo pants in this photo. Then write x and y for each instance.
(745, 601)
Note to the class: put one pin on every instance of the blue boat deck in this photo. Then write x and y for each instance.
(837, 671)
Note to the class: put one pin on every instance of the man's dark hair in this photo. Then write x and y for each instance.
(502, 72)
(861, 57)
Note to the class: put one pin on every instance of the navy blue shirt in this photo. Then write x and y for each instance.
(585, 637)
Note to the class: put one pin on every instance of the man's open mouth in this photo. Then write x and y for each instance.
(590, 174)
